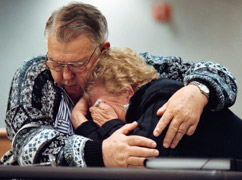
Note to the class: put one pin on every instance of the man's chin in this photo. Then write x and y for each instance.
(75, 95)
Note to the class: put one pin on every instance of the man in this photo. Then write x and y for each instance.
(46, 88)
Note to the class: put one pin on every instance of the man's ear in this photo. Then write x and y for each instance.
(105, 45)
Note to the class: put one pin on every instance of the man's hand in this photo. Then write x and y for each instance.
(120, 150)
(78, 113)
(102, 113)
(182, 111)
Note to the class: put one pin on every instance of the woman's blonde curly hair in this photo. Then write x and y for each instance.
(117, 68)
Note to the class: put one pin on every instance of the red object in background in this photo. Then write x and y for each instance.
(161, 11)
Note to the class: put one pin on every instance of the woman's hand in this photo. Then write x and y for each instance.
(102, 113)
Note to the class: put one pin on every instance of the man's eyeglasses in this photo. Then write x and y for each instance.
(74, 67)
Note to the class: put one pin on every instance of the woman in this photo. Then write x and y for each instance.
(118, 82)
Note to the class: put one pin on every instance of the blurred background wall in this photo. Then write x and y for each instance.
(199, 30)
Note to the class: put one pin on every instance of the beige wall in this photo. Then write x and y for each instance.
(4, 142)
(208, 30)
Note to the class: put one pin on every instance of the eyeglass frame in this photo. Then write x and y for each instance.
(68, 64)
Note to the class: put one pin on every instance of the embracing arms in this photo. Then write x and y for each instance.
(182, 111)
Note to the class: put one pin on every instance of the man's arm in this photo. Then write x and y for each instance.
(33, 103)
(221, 82)
(40, 144)
(183, 119)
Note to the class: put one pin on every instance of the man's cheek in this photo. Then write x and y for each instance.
(83, 82)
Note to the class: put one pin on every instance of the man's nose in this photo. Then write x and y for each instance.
(67, 73)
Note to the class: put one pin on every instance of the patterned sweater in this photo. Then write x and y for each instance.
(34, 100)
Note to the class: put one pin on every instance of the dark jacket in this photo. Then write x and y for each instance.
(218, 134)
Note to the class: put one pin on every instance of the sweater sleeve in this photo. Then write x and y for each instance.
(88, 129)
(30, 117)
(93, 154)
(220, 81)
(93, 131)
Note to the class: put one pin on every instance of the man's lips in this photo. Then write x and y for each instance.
(72, 87)
(69, 86)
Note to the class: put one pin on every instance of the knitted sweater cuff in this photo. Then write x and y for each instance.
(93, 154)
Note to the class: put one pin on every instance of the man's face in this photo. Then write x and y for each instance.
(78, 50)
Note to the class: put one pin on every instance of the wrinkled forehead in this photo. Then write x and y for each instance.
(76, 50)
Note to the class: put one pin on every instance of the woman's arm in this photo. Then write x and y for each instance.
(103, 123)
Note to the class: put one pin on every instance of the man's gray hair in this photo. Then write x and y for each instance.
(76, 19)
